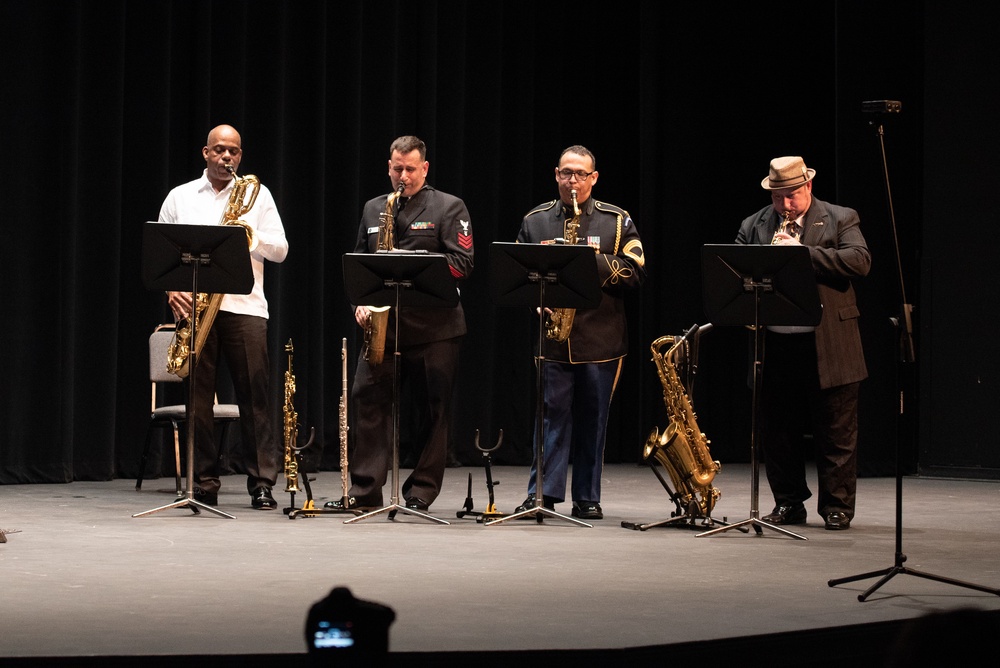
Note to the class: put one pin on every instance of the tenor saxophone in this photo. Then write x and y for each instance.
(206, 306)
(682, 448)
(378, 316)
(560, 320)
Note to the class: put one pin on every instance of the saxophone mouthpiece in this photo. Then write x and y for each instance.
(231, 169)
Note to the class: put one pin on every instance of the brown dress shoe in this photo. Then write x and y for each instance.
(837, 522)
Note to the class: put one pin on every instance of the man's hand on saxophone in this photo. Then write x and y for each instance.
(361, 314)
(180, 304)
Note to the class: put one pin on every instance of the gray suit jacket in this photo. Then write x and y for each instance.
(839, 253)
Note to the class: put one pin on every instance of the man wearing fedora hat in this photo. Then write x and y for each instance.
(812, 374)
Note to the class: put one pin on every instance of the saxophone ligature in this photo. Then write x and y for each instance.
(206, 306)
(378, 316)
(560, 320)
(682, 449)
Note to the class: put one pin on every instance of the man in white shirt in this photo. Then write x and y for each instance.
(239, 332)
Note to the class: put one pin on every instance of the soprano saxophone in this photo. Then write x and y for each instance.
(291, 422)
(560, 321)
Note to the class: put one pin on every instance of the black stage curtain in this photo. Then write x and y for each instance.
(108, 102)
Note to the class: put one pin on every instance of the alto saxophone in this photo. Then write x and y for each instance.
(783, 228)
(378, 316)
(291, 432)
(560, 320)
(682, 448)
(206, 306)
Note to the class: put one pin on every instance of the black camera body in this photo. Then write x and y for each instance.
(341, 627)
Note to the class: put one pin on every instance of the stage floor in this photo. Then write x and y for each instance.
(82, 577)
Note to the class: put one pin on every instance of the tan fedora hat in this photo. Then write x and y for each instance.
(787, 172)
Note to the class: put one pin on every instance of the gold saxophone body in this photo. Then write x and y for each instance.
(682, 448)
(783, 228)
(291, 424)
(206, 306)
(378, 316)
(560, 321)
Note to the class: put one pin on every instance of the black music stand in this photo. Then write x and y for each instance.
(758, 286)
(398, 278)
(542, 276)
(206, 258)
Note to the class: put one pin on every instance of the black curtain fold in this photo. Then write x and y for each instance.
(109, 103)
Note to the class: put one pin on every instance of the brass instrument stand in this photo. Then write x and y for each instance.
(168, 249)
(491, 511)
(380, 279)
(571, 273)
(759, 286)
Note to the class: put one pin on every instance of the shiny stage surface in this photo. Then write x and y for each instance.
(82, 577)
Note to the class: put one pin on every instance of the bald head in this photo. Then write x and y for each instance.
(223, 150)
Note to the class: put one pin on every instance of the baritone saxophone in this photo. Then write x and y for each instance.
(560, 320)
(206, 306)
(378, 316)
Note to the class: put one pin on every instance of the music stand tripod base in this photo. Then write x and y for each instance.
(392, 508)
(757, 525)
(187, 502)
(539, 512)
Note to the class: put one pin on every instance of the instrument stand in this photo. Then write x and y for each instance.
(309, 508)
(379, 280)
(906, 352)
(219, 250)
(572, 274)
(759, 286)
(491, 511)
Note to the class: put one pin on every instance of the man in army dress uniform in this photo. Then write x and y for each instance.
(581, 373)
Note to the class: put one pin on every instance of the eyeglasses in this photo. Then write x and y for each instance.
(567, 174)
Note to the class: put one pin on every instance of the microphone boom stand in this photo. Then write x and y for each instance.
(907, 355)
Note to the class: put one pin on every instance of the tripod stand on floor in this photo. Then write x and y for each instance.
(907, 355)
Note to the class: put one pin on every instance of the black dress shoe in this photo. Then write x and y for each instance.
(529, 503)
(587, 510)
(794, 514)
(837, 522)
(261, 499)
(352, 504)
(417, 503)
(208, 498)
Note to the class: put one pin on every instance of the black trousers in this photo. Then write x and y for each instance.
(792, 406)
(242, 340)
(429, 370)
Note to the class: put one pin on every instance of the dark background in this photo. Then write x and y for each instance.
(106, 105)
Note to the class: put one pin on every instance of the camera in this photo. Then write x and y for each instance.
(342, 629)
